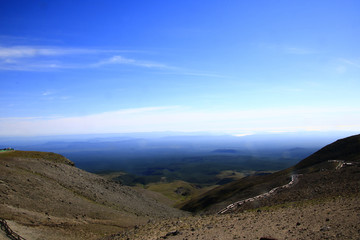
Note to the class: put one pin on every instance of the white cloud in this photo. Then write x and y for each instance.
(19, 52)
(341, 69)
(288, 49)
(298, 51)
(34, 66)
(120, 59)
(31, 51)
(349, 62)
(34, 58)
(46, 93)
(344, 65)
(147, 64)
(196, 74)
(189, 120)
(129, 61)
(38, 58)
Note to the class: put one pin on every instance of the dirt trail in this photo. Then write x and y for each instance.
(294, 180)
(336, 218)
(8, 231)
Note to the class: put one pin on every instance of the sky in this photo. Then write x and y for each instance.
(239, 67)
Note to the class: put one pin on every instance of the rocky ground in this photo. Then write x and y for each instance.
(321, 205)
(316, 185)
(51, 199)
(42, 196)
(333, 218)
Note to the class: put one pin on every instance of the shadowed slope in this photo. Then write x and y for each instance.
(347, 149)
(214, 200)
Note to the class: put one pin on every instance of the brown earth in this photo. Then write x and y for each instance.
(316, 185)
(334, 218)
(322, 205)
(43, 196)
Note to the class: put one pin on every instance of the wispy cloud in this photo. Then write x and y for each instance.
(196, 73)
(4, 119)
(21, 40)
(352, 63)
(176, 118)
(47, 93)
(298, 50)
(53, 95)
(39, 58)
(282, 89)
(28, 51)
(343, 65)
(33, 66)
(128, 61)
(288, 49)
(32, 58)
(166, 69)
(341, 69)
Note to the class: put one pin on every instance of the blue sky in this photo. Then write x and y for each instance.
(70, 67)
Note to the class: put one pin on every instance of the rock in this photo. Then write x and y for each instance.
(182, 191)
(174, 233)
(325, 228)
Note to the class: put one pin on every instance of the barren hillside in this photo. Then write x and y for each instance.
(332, 218)
(44, 196)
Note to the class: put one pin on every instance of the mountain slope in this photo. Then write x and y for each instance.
(343, 149)
(333, 219)
(323, 204)
(347, 149)
(45, 190)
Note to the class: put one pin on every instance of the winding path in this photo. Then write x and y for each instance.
(294, 180)
(9, 233)
(343, 163)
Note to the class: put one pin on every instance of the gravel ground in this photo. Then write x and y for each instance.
(44, 199)
(335, 218)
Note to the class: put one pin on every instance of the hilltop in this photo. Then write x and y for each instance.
(44, 196)
(347, 149)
